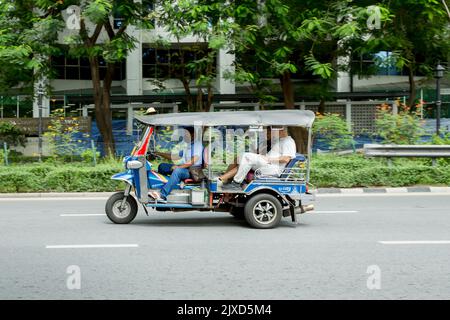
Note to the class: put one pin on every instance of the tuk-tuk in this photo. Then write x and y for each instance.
(262, 202)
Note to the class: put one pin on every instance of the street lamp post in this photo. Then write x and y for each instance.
(40, 93)
(438, 74)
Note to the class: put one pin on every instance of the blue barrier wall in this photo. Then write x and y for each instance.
(125, 143)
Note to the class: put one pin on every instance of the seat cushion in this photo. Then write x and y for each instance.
(250, 176)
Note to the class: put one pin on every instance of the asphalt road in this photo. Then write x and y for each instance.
(213, 256)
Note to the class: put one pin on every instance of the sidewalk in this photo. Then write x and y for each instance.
(320, 191)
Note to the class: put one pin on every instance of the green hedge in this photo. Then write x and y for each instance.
(358, 171)
(326, 171)
(45, 178)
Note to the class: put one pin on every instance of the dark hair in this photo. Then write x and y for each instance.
(190, 130)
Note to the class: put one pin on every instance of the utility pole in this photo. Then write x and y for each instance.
(438, 74)
(40, 93)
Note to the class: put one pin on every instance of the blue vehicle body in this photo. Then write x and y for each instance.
(285, 188)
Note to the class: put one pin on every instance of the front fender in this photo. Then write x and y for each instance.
(124, 176)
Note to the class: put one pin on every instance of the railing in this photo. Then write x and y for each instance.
(294, 174)
(411, 151)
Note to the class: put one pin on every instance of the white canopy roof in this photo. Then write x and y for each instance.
(298, 118)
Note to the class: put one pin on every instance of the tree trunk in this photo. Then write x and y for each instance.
(187, 90)
(288, 90)
(102, 101)
(199, 104)
(299, 134)
(412, 86)
(210, 98)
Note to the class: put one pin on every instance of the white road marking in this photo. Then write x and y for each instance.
(343, 211)
(416, 242)
(380, 194)
(82, 214)
(53, 199)
(89, 246)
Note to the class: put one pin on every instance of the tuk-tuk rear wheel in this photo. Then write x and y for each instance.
(118, 214)
(263, 211)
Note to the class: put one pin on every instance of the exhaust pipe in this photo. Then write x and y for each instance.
(308, 207)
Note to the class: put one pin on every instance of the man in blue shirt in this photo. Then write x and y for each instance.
(191, 157)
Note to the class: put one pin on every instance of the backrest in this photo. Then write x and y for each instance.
(298, 157)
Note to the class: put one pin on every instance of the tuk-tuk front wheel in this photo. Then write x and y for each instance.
(263, 211)
(121, 212)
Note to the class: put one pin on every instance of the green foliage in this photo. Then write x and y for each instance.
(88, 156)
(283, 37)
(333, 130)
(11, 134)
(98, 10)
(46, 178)
(441, 139)
(324, 70)
(61, 137)
(402, 128)
(357, 171)
(2, 157)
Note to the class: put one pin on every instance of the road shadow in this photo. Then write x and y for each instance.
(177, 221)
(199, 222)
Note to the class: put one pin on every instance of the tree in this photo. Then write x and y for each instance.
(29, 38)
(418, 36)
(209, 22)
(28, 33)
(288, 37)
(97, 16)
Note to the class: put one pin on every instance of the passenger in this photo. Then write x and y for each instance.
(232, 168)
(273, 163)
(192, 157)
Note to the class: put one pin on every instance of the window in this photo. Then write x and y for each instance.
(70, 68)
(165, 63)
(381, 63)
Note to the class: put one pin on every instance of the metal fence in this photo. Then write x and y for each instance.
(359, 115)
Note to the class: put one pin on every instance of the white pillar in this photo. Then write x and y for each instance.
(302, 105)
(130, 117)
(348, 114)
(343, 81)
(45, 100)
(133, 81)
(225, 65)
(395, 108)
(85, 111)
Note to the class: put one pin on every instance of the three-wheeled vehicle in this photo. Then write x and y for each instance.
(262, 202)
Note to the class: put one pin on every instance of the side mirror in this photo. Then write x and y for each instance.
(134, 164)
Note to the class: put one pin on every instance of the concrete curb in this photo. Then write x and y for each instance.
(57, 195)
(367, 191)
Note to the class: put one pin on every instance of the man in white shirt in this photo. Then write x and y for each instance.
(273, 163)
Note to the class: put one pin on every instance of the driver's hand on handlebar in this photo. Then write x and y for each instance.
(150, 156)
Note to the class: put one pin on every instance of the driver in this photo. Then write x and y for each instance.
(191, 157)
(273, 163)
